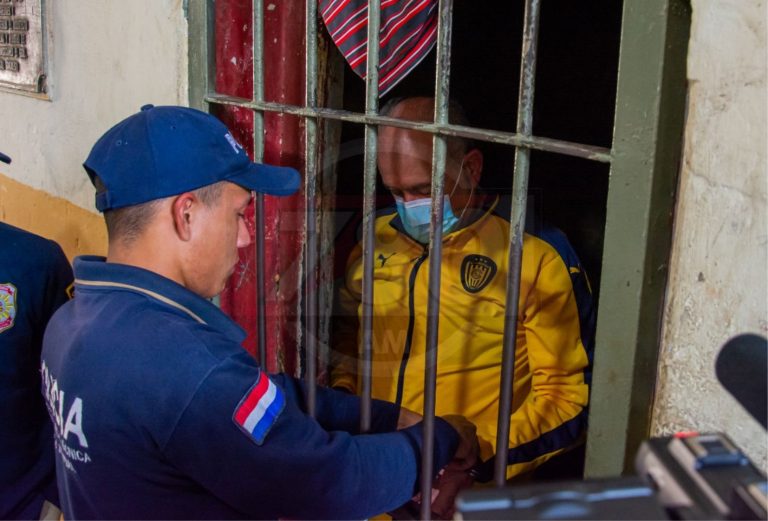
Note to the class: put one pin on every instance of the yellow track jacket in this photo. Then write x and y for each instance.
(555, 322)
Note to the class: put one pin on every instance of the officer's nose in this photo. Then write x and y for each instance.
(243, 234)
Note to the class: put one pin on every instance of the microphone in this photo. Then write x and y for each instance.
(742, 368)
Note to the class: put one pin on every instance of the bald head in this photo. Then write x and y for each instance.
(405, 155)
(423, 109)
(414, 109)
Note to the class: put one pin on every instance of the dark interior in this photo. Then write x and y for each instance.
(574, 101)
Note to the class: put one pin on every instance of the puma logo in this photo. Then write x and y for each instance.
(383, 259)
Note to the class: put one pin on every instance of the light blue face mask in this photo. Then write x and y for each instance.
(415, 215)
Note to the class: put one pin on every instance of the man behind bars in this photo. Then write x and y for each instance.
(158, 410)
(555, 318)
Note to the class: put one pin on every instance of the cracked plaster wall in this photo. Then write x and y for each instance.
(719, 265)
(107, 58)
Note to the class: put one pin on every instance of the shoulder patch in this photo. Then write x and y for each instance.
(7, 306)
(259, 408)
(477, 271)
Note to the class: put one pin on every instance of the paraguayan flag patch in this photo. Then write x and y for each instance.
(259, 408)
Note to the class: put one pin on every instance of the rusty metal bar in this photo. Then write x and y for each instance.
(258, 156)
(202, 53)
(567, 148)
(439, 152)
(517, 228)
(369, 208)
(310, 200)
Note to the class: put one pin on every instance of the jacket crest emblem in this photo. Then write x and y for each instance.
(477, 271)
(7, 306)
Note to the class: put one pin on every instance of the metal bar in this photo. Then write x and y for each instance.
(648, 129)
(202, 63)
(439, 150)
(517, 228)
(202, 60)
(310, 203)
(589, 152)
(258, 80)
(258, 156)
(369, 209)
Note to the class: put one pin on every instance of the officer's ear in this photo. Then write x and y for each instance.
(182, 210)
(473, 165)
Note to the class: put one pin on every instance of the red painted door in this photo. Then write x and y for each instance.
(284, 216)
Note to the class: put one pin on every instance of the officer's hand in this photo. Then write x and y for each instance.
(445, 489)
(455, 476)
(468, 450)
(407, 418)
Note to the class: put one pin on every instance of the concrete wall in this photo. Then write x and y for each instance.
(108, 58)
(719, 262)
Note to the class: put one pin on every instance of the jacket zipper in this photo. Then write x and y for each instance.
(411, 320)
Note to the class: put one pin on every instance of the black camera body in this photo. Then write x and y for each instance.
(703, 476)
(686, 476)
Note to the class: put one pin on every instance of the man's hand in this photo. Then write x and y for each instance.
(445, 489)
(455, 476)
(468, 450)
(408, 418)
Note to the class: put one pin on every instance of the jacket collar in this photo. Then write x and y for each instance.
(93, 273)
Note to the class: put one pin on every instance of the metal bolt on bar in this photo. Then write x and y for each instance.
(258, 156)
(439, 150)
(517, 219)
(369, 208)
(310, 199)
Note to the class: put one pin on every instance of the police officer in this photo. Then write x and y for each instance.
(159, 412)
(35, 279)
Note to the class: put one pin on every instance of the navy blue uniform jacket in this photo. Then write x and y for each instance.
(147, 384)
(34, 279)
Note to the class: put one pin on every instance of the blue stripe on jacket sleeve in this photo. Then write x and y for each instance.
(564, 436)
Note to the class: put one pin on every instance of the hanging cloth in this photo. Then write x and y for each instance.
(408, 31)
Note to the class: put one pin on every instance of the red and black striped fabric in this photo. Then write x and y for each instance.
(407, 33)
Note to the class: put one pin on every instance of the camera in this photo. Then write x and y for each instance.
(686, 476)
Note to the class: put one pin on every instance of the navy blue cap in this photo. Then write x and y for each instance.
(164, 151)
(4, 158)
